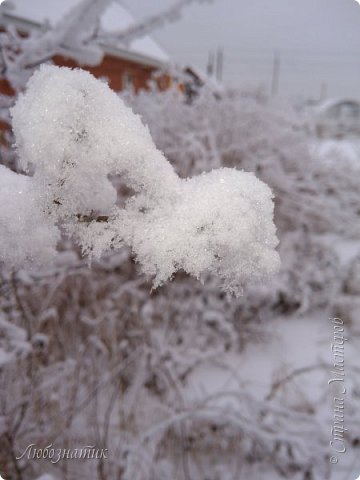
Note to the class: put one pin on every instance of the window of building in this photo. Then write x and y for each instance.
(127, 80)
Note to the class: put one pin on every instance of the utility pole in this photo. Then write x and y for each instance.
(323, 91)
(210, 65)
(275, 75)
(219, 64)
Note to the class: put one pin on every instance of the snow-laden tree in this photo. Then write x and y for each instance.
(76, 134)
(77, 36)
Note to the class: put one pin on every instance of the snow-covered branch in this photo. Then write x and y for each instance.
(140, 29)
(73, 36)
(77, 35)
(77, 134)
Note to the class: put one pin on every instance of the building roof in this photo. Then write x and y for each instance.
(115, 18)
(332, 102)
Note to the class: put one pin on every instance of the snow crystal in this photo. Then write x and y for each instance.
(76, 133)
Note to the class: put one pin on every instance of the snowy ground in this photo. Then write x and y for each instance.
(302, 345)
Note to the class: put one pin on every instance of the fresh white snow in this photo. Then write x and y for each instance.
(77, 133)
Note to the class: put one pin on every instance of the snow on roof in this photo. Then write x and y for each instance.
(115, 18)
(331, 102)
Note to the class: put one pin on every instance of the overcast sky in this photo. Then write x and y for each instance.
(318, 41)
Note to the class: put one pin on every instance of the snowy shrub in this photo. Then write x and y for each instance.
(124, 369)
(254, 134)
(76, 134)
(184, 382)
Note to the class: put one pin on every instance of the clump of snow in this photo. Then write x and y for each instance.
(13, 342)
(46, 476)
(219, 222)
(76, 133)
(26, 233)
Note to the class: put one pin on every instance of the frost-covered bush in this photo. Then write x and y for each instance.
(271, 140)
(110, 365)
(76, 134)
(312, 197)
(185, 382)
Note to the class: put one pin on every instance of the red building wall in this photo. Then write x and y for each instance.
(115, 69)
